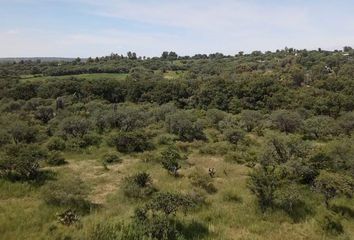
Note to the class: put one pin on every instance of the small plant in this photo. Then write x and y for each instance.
(331, 224)
(111, 158)
(201, 179)
(138, 186)
(56, 144)
(68, 191)
(55, 159)
(68, 217)
(231, 196)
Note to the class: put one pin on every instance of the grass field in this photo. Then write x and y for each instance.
(230, 213)
(107, 76)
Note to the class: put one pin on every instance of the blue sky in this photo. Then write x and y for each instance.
(70, 28)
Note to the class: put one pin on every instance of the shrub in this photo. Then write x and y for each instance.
(287, 198)
(68, 217)
(333, 184)
(185, 126)
(110, 158)
(91, 139)
(331, 223)
(56, 144)
(166, 139)
(21, 162)
(250, 119)
(319, 127)
(55, 159)
(218, 148)
(75, 126)
(169, 203)
(346, 122)
(21, 132)
(44, 114)
(68, 191)
(286, 121)
(5, 138)
(128, 142)
(170, 160)
(263, 182)
(234, 135)
(138, 186)
(214, 116)
(201, 179)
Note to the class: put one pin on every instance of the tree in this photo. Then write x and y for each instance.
(164, 55)
(346, 122)
(185, 126)
(319, 127)
(250, 119)
(170, 160)
(263, 183)
(333, 184)
(128, 142)
(286, 121)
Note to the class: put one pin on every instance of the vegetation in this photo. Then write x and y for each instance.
(251, 146)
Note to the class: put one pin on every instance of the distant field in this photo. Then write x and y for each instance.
(90, 76)
(107, 76)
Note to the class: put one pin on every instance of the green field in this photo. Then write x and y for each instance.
(103, 76)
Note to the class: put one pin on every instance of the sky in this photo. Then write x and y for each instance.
(83, 28)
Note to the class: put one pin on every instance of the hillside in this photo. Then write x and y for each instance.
(251, 146)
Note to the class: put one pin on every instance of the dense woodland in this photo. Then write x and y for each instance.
(251, 146)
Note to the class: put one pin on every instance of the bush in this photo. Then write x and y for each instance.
(21, 162)
(21, 132)
(250, 119)
(56, 144)
(201, 179)
(128, 142)
(263, 182)
(287, 198)
(319, 127)
(44, 114)
(286, 121)
(333, 184)
(75, 126)
(56, 159)
(5, 138)
(185, 126)
(331, 224)
(110, 158)
(218, 148)
(170, 160)
(91, 139)
(68, 217)
(138, 186)
(69, 192)
(346, 122)
(234, 135)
